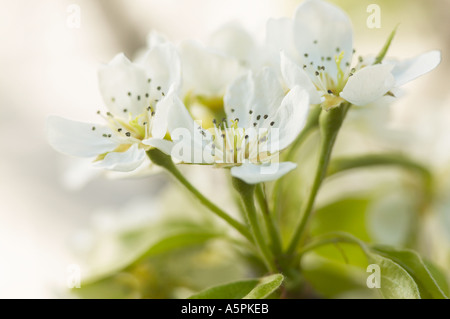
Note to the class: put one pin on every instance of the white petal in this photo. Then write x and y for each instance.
(234, 41)
(253, 174)
(279, 36)
(164, 146)
(123, 86)
(238, 98)
(294, 75)
(155, 38)
(289, 119)
(368, 84)
(161, 117)
(162, 65)
(123, 161)
(77, 138)
(190, 144)
(261, 94)
(317, 20)
(207, 72)
(411, 69)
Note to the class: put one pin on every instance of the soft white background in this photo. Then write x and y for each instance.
(48, 68)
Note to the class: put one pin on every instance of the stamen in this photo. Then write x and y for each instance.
(93, 128)
(128, 134)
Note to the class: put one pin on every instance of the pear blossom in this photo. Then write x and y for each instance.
(317, 53)
(261, 120)
(136, 120)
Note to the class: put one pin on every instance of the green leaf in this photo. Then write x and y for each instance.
(430, 284)
(385, 48)
(345, 215)
(266, 286)
(396, 282)
(247, 289)
(128, 255)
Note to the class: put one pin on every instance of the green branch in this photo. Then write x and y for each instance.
(163, 160)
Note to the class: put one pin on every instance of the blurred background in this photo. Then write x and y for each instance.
(48, 66)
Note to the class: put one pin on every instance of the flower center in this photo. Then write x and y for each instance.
(233, 145)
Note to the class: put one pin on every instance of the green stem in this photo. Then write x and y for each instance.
(330, 123)
(247, 193)
(268, 219)
(163, 160)
(347, 163)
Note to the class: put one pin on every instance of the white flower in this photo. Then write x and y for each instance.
(317, 54)
(260, 122)
(136, 120)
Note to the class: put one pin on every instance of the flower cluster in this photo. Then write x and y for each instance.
(260, 94)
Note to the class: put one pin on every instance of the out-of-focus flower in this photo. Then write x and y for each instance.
(260, 121)
(317, 54)
(134, 94)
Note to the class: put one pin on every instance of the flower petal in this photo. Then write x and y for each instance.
(191, 143)
(123, 161)
(368, 84)
(164, 146)
(234, 41)
(78, 138)
(123, 86)
(253, 174)
(163, 67)
(253, 96)
(289, 119)
(279, 36)
(411, 69)
(321, 31)
(207, 72)
(293, 75)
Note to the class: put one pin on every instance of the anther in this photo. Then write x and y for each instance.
(158, 88)
(250, 112)
(272, 123)
(149, 80)
(317, 73)
(139, 97)
(119, 129)
(330, 92)
(104, 135)
(93, 128)
(232, 110)
(125, 110)
(258, 117)
(129, 93)
(306, 55)
(146, 94)
(266, 116)
(128, 134)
